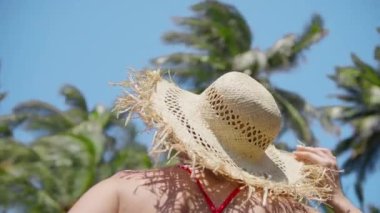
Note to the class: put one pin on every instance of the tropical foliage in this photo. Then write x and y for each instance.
(222, 41)
(360, 94)
(67, 152)
(49, 156)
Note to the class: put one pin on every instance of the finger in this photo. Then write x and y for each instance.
(319, 151)
(306, 148)
(326, 151)
(309, 157)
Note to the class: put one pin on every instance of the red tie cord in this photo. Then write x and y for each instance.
(210, 204)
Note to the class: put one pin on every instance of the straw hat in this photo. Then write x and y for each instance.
(228, 128)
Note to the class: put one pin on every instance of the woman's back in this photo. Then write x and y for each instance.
(229, 128)
(173, 190)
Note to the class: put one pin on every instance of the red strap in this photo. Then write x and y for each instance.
(210, 204)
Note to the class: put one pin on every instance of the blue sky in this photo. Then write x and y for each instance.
(89, 43)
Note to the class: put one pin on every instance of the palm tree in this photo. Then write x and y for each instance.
(222, 41)
(374, 209)
(70, 151)
(360, 84)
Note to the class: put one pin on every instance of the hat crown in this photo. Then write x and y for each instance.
(242, 113)
(226, 129)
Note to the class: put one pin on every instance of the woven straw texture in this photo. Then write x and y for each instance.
(229, 128)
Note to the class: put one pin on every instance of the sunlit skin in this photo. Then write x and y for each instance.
(172, 190)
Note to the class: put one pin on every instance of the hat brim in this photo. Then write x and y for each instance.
(178, 108)
(173, 112)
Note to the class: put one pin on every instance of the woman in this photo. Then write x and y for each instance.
(228, 163)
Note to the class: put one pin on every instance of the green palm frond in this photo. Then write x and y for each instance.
(217, 32)
(72, 159)
(78, 148)
(221, 41)
(360, 86)
(2, 96)
(91, 134)
(312, 34)
(373, 209)
(21, 171)
(215, 25)
(368, 73)
(377, 53)
(8, 123)
(74, 97)
(131, 157)
(295, 111)
(41, 116)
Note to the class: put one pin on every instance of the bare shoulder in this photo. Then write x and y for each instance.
(102, 197)
(146, 190)
(123, 188)
(140, 176)
(135, 180)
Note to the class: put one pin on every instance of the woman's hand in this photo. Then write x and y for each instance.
(324, 157)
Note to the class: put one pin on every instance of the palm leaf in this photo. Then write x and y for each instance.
(91, 132)
(12, 151)
(312, 34)
(327, 115)
(346, 77)
(8, 123)
(2, 96)
(368, 73)
(23, 175)
(72, 159)
(41, 116)
(373, 209)
(73, 97)
(222, 41)
(215, 25)
(285, 52)
(345, 145)
(377, 53)
(293, 106)
(130, 157)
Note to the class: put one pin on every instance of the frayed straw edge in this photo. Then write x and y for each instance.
(138, 100)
